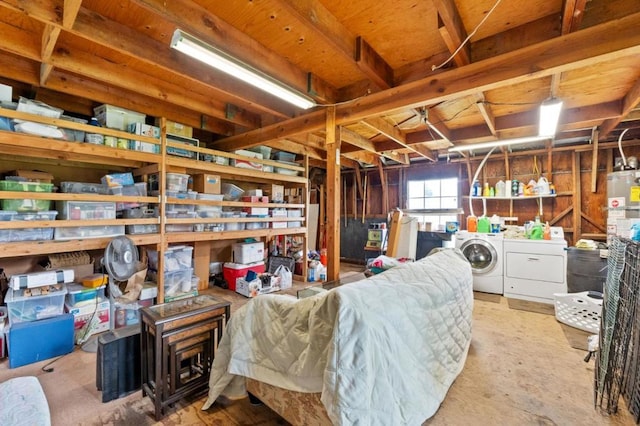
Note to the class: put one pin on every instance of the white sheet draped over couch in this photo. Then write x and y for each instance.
(384, 350)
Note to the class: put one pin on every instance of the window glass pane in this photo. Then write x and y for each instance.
(432, 188)
(449, 202)
(450, 187)
(415, 203)
(415, 189)
(432, 203)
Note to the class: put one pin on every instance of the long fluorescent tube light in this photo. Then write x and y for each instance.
(492, 144)
(549, 116)
(224, 62)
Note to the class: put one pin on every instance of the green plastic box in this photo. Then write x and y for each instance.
(25, 205)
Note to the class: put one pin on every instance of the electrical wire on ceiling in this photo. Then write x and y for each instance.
(434, 67)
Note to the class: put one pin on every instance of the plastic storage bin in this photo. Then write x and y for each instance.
(231, 192)
(30, 308)
(79, 295)
(25, 205)
(141, 213)
(177, 182)
(175, 258)
(136, 190)
(26, 234)
(88, 232)
(77, 210)
(84, 188)
(180, 227)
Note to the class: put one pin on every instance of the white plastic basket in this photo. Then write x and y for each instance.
(579, 310)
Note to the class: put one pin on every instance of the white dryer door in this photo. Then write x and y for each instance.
(481, 254)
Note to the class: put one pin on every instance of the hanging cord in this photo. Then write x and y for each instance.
(475, 177)
(624, 159)
(434, 67)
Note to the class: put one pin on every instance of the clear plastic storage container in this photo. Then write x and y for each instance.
(26, 234)
(78, 210)
(24, 308)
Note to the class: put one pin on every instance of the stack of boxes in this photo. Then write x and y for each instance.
(248, 261)
(38, 327)
(177, 272)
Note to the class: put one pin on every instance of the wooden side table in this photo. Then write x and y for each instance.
(177, 343)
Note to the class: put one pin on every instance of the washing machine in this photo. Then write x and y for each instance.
(485, 254)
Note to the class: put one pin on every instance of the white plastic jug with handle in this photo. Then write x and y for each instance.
(500, 186)
(543, 186)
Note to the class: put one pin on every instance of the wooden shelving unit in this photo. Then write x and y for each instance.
(52, 152)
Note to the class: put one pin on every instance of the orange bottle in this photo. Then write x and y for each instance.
(472, 223)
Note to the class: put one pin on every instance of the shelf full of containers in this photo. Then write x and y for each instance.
(150, 190)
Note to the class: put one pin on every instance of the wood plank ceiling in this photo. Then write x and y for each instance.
(375, 60)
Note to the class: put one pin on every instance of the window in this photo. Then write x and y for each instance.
(433, 194)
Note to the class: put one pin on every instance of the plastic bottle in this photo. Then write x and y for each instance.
(472, 223)
(500, 188)
(547, 232)
(520, 189)
(515, 185)
(495, 224)
(486, 191)
(484, 225)
(476, 189)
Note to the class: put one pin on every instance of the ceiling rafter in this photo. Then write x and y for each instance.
(600, 43)
(630, 101)
(392, 132)
(349, 136)
(196, 19)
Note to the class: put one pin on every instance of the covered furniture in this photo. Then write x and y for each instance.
(383, 350)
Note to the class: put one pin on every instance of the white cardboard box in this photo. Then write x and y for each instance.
(248, 252)
(253, 288)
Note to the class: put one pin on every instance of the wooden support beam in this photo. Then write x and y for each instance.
(629, 102)
(394, 233)
(593, 222)
(333, 194)
(392, 132)
(452, 30)
(594, 161)
(70, 12)
(487, 114)
(560, 215)
(356, 139)
(572, 15)
(373, 65)
(385, 188)
(600, 43)
(359, 182)
(577, 197)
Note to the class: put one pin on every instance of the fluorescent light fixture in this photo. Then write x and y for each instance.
(549, 116)
(493, 144)
(224, 62)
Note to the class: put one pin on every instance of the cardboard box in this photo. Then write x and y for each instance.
(253, 288)
(276, 192)
(34, 341)
(144, 130)
(206, 183)
(83, 314)
(278, 225)
(255, 199)
(32, 175)
(248, 252)
(177, 129)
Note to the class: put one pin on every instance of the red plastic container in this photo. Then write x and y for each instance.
(232, 271)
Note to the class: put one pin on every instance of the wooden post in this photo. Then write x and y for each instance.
(577, 198)
(333, 195)
(394, 233)
(385, 188)
(594, 161)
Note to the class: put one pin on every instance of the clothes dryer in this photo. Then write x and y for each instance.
(485, 254)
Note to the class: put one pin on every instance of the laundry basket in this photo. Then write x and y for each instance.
(579, 310)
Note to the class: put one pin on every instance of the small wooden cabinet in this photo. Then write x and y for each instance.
(178, 341)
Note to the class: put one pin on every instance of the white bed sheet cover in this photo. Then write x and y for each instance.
(382, 351)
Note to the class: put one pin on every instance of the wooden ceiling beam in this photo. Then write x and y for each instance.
(70, 13)
(452, 30)
(49, 39)
(373, 65)
(363, 157)
(359, 141)
(486, 113)
(592, 45)
(195, 19)
(125, 40)
(392, 132)
(298, 148)
(572, 14)
(629, 102)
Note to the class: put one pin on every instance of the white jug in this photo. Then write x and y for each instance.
(500, 188)
(543, 186)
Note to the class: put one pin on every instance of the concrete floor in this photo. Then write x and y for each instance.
(520, 370)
